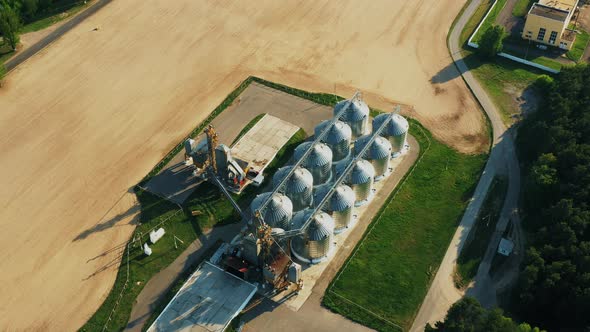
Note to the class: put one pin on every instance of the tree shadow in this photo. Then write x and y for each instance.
(453, 71)
(112, 222)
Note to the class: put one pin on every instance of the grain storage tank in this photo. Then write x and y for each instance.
(278, 211)
(395, 131)
(318, 162)
(337, 138)
(356, 116)
(298, 187)
(319, 192)
(340, 207)
(361, 181)
(338, 167)
(315, 244)
(379, 153)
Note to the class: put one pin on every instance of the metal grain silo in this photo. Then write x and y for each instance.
(395, 131)
(361, 181)
(318, 162)
(315, 243)
(319, 192)
(379, 153)
(278, 211)
(337, 138)
(298, 187)
(340, 207)
(340, 166)
(356, 116)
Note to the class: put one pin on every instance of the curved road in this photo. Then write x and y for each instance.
(442, 293)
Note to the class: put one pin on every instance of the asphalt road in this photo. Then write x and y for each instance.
(442, 293)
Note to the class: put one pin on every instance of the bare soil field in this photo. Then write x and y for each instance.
(86, 118)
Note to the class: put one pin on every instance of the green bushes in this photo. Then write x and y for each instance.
(491, 42)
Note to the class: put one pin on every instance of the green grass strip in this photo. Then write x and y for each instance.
(521, 8)
(481, 233)
(579, 47)
(392, 267)
(490, 20)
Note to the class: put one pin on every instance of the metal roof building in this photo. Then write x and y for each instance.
(207, 302)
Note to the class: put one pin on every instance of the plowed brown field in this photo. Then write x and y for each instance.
(84, 120)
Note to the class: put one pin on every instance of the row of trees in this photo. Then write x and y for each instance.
(467, 315)
(554, 148)
(14, 13)
(9, 25)
(31, 10)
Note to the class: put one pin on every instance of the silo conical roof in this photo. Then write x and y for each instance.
(300, 180)
(362, 172)
(357, 111)
(319, 155)
(379, 149)
(300, 217)
(278, 208)
(338, 132)
(320, 192)
(397, 126)
(321, 227)
(343, 198)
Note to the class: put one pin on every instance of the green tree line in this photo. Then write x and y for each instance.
(554, 149)
(31, 10)
(467, 315)
(15, 13)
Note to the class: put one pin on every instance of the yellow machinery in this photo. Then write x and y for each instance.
(211, 146)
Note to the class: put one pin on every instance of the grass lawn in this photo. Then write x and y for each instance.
(521, 8)
(489, 22)
(503, 79)
(58, 14)
(579, 47)
(484, 227)
(394, 264)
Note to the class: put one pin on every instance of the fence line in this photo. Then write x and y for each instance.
(472, 44)
(131, 242)
(367, 310)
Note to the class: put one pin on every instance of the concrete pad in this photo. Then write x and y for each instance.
(177, 184)
(260, 144)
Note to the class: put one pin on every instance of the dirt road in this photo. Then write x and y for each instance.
(83, 120)
(442, 293)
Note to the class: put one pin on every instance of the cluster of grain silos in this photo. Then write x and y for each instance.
(333, 176)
